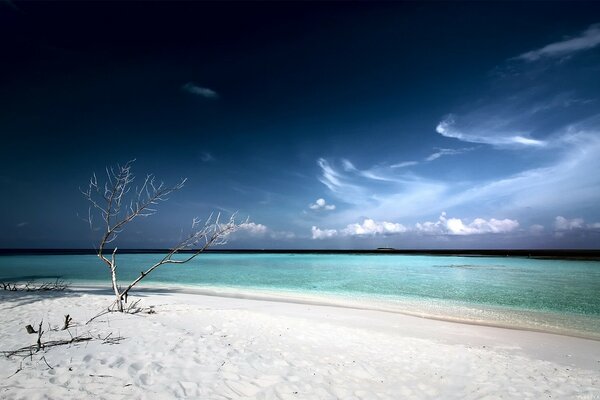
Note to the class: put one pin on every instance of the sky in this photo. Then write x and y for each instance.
(327, 125)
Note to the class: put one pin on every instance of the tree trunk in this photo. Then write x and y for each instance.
(118, 296)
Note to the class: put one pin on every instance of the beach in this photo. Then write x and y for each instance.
(211, 347)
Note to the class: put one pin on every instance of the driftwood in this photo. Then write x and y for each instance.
(67, 322)
(28, 351)
(132, 308)
(34, 348)
(58, 285)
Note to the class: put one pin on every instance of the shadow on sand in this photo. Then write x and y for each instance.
(14, 299)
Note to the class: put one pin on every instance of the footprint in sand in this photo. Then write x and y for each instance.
(146, 379)
(117, 362)
(135, 368)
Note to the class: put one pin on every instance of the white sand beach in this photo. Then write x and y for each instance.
(209, 347)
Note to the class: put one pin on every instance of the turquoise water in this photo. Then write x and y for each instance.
(554, 295)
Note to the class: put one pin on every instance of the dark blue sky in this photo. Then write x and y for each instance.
(337, 125)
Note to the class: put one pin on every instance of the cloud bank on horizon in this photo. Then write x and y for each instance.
(541, 105)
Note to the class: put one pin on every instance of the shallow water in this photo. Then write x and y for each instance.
(553, 295)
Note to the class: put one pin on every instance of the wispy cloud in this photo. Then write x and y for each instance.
(404, 164)
(194, 89)
(541, 127)
(447, 127)
(22, 224)
(588, 39)
(338, 182)
(524, 104)
(438, 153)
(446, 152)
(321, 204)
(205, 156)
(403, 196)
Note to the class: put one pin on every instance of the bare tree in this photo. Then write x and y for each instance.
(118, 203)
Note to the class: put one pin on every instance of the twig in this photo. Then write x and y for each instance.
(28, 351)
(44, 358)
(68, 321)
(39, 339)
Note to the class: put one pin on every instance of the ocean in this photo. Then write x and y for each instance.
(552, 295)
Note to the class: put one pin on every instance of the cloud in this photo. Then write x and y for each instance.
(564, 224)
(443, 227)
(205, 156)
(455, 226)
(22, 224)
(283, 235)
(433, 156)
(481, 134)
(323, 233)
(525, 104)
(368, 227)
(404, 164)
(536, 229)
(194, 89)
(588, 39)
(446, 152)
(371, 227)
(253, 228)
(410, 196)
(338, 182)
(321, 204)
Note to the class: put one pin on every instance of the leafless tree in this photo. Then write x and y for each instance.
(118, 203)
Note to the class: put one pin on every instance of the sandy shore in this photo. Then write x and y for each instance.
(210, 347)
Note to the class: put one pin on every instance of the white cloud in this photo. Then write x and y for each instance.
(321, 204)
(194, 89)
(22, 224)
(323, 233)
(588, 39)
(432, 157)
(446, 152)
(565, 224)
(443, 226)
(455, 226)
(330, 177)
(253, 228)
(285, 235)
(536, 229)
(371, 227)
(368, 227)
(481, 134)
(404, 164)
